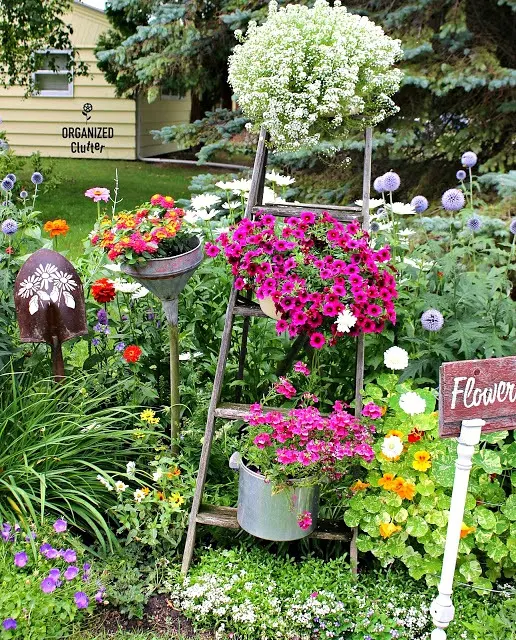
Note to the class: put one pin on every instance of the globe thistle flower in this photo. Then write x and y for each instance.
(7, 184)
(378, 185)
(375, 227)
(469, 159)
(432, 320)
(419, 204)
(11, 177)
(453, 200)
(512, 226)
(3, 145)
(391, 181)
(24, 194)
(36, 178)
(474, 223)
(461, 174)
(9, 227)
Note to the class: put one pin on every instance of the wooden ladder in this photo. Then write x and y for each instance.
(243, 306)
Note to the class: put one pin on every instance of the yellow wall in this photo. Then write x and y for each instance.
(158, 114)
(36, 123)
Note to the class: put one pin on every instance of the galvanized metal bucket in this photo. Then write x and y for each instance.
(273, 516)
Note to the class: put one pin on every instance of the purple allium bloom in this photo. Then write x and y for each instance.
(512, 226)
(54, 574)
(120, 346)
(71, 573)
(102, 316)
(60, 525)
(378, 185)
(375, 227)
(36, 178)
(24, 194)
(461, 174)
(432, 320)
(391, 181)
(11, 177)
(453, 200)
(469, 159)
(474, 223)
(9, 623)
(48, 585)
(7, 184)
(9, 227)
(420, 204)
(81, 600)
(20, 559)
(69, 555)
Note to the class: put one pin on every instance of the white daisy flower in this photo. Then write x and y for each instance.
(401, 209)
(392, 447)
(120, 487)
(374, 203)
(204, 201)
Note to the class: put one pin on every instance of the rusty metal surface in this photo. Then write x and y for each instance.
(49, 299)
(166, 277)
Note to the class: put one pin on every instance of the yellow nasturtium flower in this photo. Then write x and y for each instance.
(421, 461)
(388, 528)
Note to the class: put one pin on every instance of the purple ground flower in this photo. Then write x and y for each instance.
(453, 200)
(378, 185)
(69, 555)
(469, 159)
(36, 178)
(420, 204)
(99, 596)
(120, 346)
(60, 525)
(474, 223)
(512, 226)
(55, 574)
(48, 585)
(9, 227)
(461, 174)
(391, 181)
(71, 573)
(45, 547)
(432, 320)
(20, 559)
(81, 600)
(9, 624)
(95, 342)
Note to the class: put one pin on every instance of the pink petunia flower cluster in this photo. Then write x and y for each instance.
(314, 268)
(305, 443)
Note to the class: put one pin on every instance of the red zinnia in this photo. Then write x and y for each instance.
(132, 353)
(103, 290)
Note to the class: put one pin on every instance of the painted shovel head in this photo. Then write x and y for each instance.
(49, 299)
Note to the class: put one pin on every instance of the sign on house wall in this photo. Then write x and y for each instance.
(477, 389)
(87, 139)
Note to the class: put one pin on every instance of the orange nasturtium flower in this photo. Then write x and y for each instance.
(174, 473)
(465, 530)
(388, 528)
(407, 491)
(359, 486)
(395, 432)
(56, 227)
(421, 461)
(386, 481)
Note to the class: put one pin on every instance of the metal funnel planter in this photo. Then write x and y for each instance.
(166, 278)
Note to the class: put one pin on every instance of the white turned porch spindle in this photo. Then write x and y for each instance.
(442, 609)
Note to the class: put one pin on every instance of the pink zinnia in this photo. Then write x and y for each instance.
(97, 194)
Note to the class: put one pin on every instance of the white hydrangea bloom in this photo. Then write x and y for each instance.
(348, 81)
(396, 358)
(412, 403)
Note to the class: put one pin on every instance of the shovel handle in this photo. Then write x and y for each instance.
(57, 360)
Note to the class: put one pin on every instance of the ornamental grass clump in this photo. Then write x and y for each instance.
(325, 279)
(310, 74)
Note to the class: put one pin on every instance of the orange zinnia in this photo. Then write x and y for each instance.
(56, 227)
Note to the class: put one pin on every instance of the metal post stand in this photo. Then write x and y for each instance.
(442, 608)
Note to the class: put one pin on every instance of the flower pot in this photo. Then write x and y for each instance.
(269, 515)
(167, 277)
(269, 308)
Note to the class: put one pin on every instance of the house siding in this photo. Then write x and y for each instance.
(160, 113)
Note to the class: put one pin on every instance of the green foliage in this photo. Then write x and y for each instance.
(29, 26)
(420, 514)
(40, 615)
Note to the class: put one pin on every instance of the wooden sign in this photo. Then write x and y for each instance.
(483, 389)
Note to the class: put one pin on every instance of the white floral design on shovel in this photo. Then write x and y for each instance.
(48, 283)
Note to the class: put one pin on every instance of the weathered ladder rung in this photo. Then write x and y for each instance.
(248, 308)
(227, 517)
(232, 411)
(344, 214)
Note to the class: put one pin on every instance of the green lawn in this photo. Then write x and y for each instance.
(138, 181)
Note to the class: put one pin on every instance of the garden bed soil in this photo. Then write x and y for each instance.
(159, 616)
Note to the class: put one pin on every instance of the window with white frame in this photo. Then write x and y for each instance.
(53, 77)
(167, 94)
